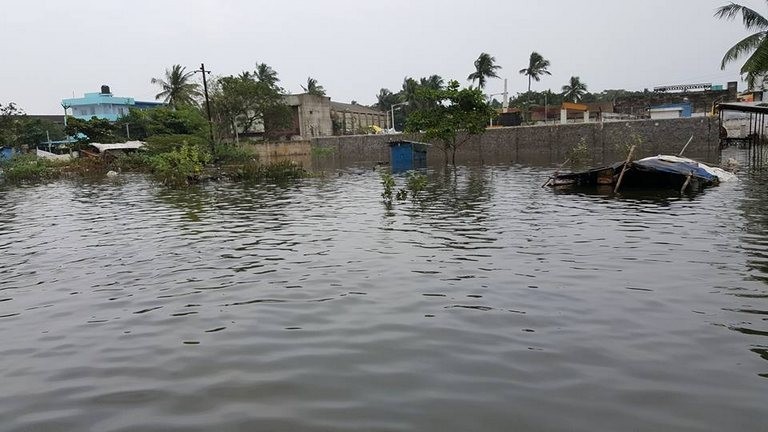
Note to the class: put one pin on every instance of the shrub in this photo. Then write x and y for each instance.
(579, 154)
(232, 153)
(181, 166)
(157, 144)
(28, 168)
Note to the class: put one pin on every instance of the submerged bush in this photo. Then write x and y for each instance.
(157, 144)
(181, 166)
(232, 153)
(28, 168)
(579, 154)
(275, 171)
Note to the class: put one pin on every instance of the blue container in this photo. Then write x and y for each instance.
(407, 155)
(6, 153)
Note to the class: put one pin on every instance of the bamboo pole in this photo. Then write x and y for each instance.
(687, 180)
(557, 171)
(624, 169)
(685, 146)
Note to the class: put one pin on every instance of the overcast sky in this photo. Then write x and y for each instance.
(53, 49)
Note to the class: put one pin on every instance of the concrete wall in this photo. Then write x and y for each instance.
(547, 145)
(297, 151)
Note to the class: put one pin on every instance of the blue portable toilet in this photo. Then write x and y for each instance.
(6, 153)
(407, 155)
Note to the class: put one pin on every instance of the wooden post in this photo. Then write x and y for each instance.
(624, 169)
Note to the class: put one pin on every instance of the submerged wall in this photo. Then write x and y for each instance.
(547, 145)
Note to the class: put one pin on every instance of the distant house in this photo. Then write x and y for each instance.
(104, 105)
(351, 119)
(671, 110)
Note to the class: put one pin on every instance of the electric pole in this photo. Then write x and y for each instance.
(207, 104)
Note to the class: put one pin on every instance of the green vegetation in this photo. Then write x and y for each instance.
(450, 116)
(24, 168)
(485, 67)
(579, 154)
(239, 103)
(180, 166)
(537, 67)
(632, 139)
(313, 87)
(756, 43)
(178, 91)
(575, 90)
(416, 183)
(18, 131)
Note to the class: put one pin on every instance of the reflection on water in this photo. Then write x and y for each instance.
(484, 303)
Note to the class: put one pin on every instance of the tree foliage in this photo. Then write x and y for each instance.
(485, 67)
(575, 90)
(17, 130)
(450, 116)
(177, 88)
(313, 87)
(537, 67)
(755, 46)
(239, 103)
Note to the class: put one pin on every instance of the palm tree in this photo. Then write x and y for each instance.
(756, 43)
(313, 87)
(574, 90)
(484, 68)
(266, 74)
(177, 89)
(537, 66)
(434, 82)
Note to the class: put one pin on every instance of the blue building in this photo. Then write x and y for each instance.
(671, 110)
(104, 105)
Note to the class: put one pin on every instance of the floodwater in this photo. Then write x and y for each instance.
(488, 303)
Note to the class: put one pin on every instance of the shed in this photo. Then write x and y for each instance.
(407, 155)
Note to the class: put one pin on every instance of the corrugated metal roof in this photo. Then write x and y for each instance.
(339, 106)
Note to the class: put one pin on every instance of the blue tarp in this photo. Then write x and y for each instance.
(680, 168)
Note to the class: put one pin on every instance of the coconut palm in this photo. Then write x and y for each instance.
(756, 44)
(537, 66)
(266, 74)
(313, 87)
(177, 88)
(485, 67)
(574, 90)
(434, 82)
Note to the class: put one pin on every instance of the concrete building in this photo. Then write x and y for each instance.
(311, 116)
(104, 105)
(353, 119)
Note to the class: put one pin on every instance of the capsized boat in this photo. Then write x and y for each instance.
(663, 171)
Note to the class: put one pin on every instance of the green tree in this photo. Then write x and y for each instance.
(162, 121)
(485, 67)
(266, 74)
(756, 43)
(241, 102)
(575, 90)
(313, 87)
(10, 125)
(95, 130)
(385, 99)
(178, 90)
(537, 67)
(451, 117)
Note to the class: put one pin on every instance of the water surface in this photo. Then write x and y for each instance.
(488, 303)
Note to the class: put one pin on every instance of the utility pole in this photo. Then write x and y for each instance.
(127, 131)
(207, 104)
